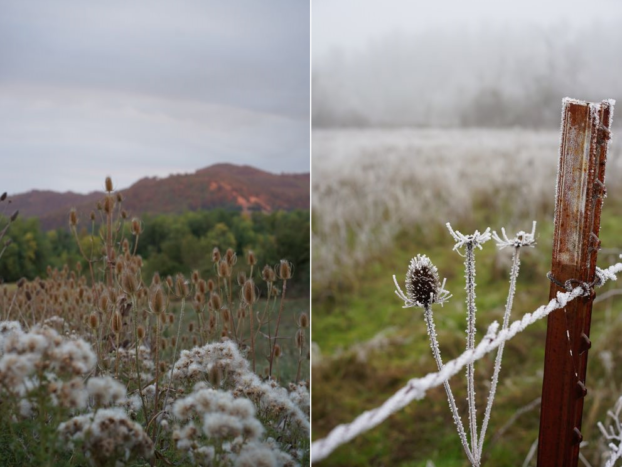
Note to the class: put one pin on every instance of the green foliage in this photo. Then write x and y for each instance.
(169, 243)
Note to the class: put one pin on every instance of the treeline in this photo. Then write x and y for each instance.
(168, 244)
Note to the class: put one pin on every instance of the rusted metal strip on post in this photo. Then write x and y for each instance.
(580, 193)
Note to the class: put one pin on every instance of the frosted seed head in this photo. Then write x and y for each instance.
(423, 287)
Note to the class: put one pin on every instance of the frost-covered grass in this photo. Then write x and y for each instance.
(356, 371)
(99, 368)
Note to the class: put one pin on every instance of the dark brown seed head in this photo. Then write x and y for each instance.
(215, 301)
(422, 283)
(117, 322)
(157, 300)
(73, 218)
(241, 278)
(92, 216)
(108, 185)
(231, 257)
(277, 350)
(181, 287)
(285, 270)
(248, 292)
(93, 321)
(250, 258)
(215, 254)
(137, 227)
(202, 286)
(304, 320)
(195, 277)
(140, 331)
(300, 339)
(119, 198)
(210, 285)
(223, 268)
(14, 216)
(268, 274)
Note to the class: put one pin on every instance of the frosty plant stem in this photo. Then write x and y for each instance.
(522, 239)
(470, 242)
(429, 321)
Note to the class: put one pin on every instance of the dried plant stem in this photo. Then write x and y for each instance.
(137, 344)
(157, 368)
(469, 263)
(497, 369)
(250, 313)
(181, 318)
(436, 351)
(109, 246)
(276, 330)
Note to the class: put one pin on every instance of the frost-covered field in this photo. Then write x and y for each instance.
(368, 185)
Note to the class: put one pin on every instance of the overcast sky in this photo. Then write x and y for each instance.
(153, 87)
(353, 24)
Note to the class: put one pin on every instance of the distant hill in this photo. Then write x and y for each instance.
(218, 186)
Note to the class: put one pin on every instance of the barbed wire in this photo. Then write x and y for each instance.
(416, 388)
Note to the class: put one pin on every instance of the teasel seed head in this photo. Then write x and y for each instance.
(202, 285)
(137, 226)
(191, 327)
(108, 184)
(174, 341)
(231, 257)
(157, 300)
(210, 285)
(423, 287)
(250, 258)
(223, 268)
(93, 321)
(215, 255)
(124, 214)
(284, 269)
(277, 350)
(117, 322)
(226, 315)
(128, 282)
(171, 318)
(92, 216)
(73, 218)
(140, 331)
(119, 198)
(181, 286)
(163, 318)
(248, 292)
(155, 280)
(3, 197)
(14, 216)
(303, 322)
(169, 282)
(241, 278)
(195, 277)
(268, 274)
(164, 343)
(215, 301)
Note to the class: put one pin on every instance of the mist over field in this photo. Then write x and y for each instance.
(453, 71)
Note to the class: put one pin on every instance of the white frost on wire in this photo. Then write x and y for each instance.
(416, 388)
(614, 434)
(477, 239)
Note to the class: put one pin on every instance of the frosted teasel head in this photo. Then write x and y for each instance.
(477, 239)
(423, 287)
(520, 240)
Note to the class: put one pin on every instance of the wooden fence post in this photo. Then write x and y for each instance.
(578, 204)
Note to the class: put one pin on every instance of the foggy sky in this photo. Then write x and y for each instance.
(142, 88)
(452, 63)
